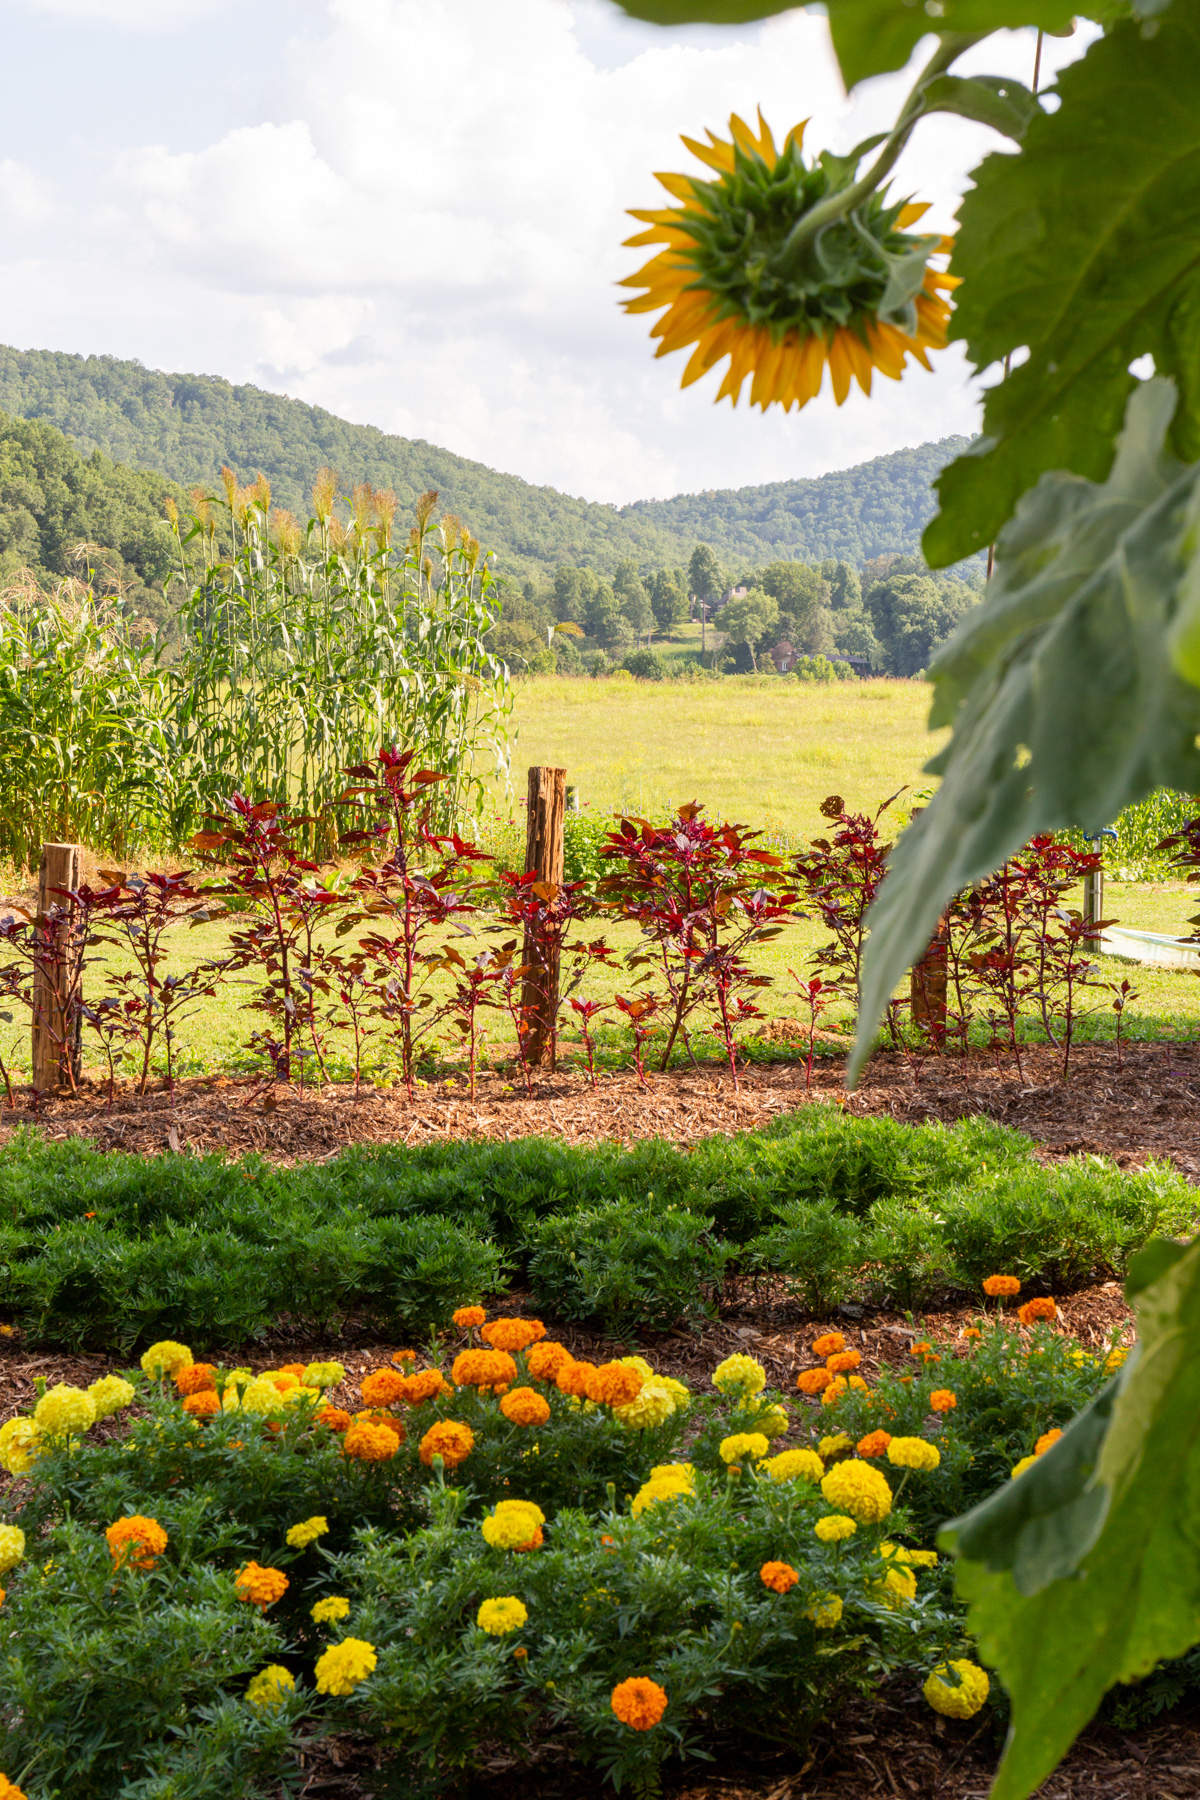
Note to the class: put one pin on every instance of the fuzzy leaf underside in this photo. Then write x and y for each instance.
(1061, 690)
(1130, 1593)
(1084, 249)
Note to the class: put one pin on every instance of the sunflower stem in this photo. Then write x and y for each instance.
(951, 45)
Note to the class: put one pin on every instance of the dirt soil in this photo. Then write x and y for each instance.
(1145, 1109)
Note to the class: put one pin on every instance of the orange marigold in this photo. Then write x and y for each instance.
(513, 1334)
(1001, 1287)
(467, 1317)
(924, 1348)
(383, 1387)
(204, 1404)
(639, 1703)
(778, 1576)
(371, 1443)
(296, 1369)
(136, 1542)
(1044, 1442)
(404, 1356)
(534, 1543)
(971, 1331)
(1033, 1310)
(874, 1444)
(843, 1361)
(943, 1400)
(260, 1586)
(830, 1344)
(813, 1381)
(482, 1368)
(573, 1378)
(335, 1418)
(449, 1440)
(425, 1385)
(614, 1384)
(546, 1359)
(196, 1378)
(524, 1406)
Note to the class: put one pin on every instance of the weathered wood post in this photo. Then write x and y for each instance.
(544, 850)
(927, 989)
(56, 1018)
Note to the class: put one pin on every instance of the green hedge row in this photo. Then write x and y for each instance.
(110, 1250)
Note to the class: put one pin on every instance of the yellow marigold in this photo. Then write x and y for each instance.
(282, 1380)
(546, 1359)
(943, 1400)
(1114, 1359)
(270, 1687)
(341, 1668)
(826, 1612)
(913, 1453)
(165, 1358)
(874, 1444)
(12, 1547)
(843, 1361)
(1026, 1462)
(830, 1344)
(1033, 1310)
(739, 1374)
(678, 1391)
(639, 1702)
(513, 1526)
(20, 1442)
(365, 1442)
(959, 1698)
(613, 1384)
(383, 1387)
(323, 1374)
(1044, 1442)
(448, 1439)
(859, 1489)
(9, 1789)
(64, 1410)
(136, 1542)
(524, 1406)
(513, 1334)
(742, 1444)
(1001, 1287)
(300, 1536)
(500, 1616)
(335, 1418)
(837, 1445)
(329, 1610)
(467, 1317)
(260, 1586)
(813, 1381)
(897, 1589)
(772, 1421)
(195, 1378)
(261, 1396)
(641, 1365)
(111, 1394)
(834, 1528)
(794, 1465)
(833, 1393)
(482, 1368)
(669, 1481)
(780, 1577)
(202, 1405)
(653, 1406)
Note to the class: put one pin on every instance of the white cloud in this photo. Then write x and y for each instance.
(138, 15)
(24, 196)
(427, 234)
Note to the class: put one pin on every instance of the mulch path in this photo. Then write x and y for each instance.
(1146, 1109)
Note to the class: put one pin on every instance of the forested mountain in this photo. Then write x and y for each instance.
(186, 426)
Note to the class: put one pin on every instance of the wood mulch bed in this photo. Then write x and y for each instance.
(1146, 1109)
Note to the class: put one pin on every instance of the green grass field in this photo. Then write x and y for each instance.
(765, 752)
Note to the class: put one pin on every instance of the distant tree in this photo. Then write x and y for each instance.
(750, 619)
(574, 589)
(706, 576)
(668, 600)
(912, 614)
(646, 665)
(803, 594)
(845, 587)
(629, 590)
(604, 619)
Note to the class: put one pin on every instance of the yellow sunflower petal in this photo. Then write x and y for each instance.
(839, 365)
(722, 153)
(796, 136)
(916, 209)
(679, 185)
(720, 157)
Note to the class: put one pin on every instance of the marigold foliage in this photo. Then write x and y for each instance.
(341, 1668)
(165, 1358)
(960, 1699)
(639, 1702)
(858, 1489)
(260, 1586)
(270, 1687)
(913, 1453)
(135, 1541)
(500, 1616)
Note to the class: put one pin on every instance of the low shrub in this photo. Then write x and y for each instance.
(817, 1247)
(633, 1267)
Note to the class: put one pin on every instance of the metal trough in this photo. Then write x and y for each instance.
(1152, 947)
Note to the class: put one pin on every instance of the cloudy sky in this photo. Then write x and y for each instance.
(411, 212)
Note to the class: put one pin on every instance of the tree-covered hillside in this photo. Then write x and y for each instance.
(186, 426)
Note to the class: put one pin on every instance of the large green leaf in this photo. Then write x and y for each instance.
(1084, 250)
(1126, 1595)
(704, 12)
(1060, 687)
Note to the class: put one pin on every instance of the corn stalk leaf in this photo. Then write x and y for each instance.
(1115, 1503)
(1065, 703)
(1084, 250)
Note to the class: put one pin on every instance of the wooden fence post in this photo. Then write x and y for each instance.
(56, 1019)
(927, 989)
(544, 849)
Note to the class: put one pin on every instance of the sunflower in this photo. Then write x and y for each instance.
(738, 278)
